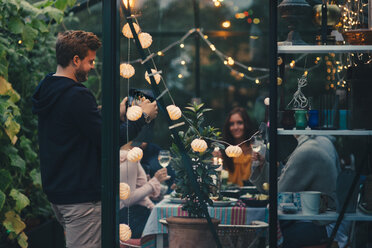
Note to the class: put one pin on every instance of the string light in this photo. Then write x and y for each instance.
(183, 62)
(226, 24)
(213, 48)
(180, 75)
(250, 68)
(182, 45)
(257, 81)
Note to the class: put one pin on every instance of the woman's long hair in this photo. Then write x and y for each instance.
(227, 136)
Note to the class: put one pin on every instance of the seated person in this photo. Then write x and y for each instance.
(238, 128)
(312, 166)
(139, 203)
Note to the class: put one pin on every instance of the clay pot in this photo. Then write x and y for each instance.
(185, 232)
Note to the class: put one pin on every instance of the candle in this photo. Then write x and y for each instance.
(215, 161)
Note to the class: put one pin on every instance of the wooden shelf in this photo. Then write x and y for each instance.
(324, 132)
(358, 216)
(292, 49)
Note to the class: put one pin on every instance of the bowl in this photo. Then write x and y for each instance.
(358, 36)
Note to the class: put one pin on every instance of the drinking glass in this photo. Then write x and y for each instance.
(164, 158)
(257, 144)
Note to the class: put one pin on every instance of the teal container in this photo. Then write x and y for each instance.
(301, 120)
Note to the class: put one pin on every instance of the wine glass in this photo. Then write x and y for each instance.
(257, 144)
(164, 158)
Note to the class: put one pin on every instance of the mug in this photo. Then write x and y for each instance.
(301, 121)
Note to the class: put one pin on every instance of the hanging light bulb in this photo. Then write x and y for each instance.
(213, 48)
(230, 61)
(250, 68)
(130, 2)
(134, 113)
(135, 154)
(124, 232)
(156, 76)
(127, 32)
(145, 39)
(124, 191)
(174, 112)
(126, 70)
(182, 45)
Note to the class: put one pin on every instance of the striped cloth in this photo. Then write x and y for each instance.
(231, 215)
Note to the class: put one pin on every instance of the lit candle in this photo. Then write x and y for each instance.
(215, 161)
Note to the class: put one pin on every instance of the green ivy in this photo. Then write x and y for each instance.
(27, 41)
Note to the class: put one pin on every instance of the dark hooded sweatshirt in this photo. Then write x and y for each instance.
(70, 140)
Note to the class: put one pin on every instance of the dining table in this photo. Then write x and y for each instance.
(154, 232)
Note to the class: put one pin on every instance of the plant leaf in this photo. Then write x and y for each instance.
(28, 36)
(17, 161)
(5, 179)
(2, 199)
(22, 240)
(36, 177)
(53, 13)
(15, 25)
(13, 222)
(21, 200)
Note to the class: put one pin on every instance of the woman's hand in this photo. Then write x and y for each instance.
(256, 156)
(161, 175)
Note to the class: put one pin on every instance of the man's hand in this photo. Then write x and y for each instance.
(123, 108)
(150, 108)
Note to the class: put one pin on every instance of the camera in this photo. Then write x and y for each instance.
(137, 96)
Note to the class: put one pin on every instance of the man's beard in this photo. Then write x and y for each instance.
(81, 75)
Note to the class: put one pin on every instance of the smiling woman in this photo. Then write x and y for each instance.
(238, 128)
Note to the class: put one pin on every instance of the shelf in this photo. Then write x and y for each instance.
(324, 49)
(358, 216)
(324, 132)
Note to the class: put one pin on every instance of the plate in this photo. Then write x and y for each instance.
(251, 202)
(224, 203)
(176, 200)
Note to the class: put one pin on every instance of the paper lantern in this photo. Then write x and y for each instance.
(174, 112)
(126, 70)
(199, 145)
(135, 154)
(233, 151)
(124, 191)
(145, 39)
(124, 232)
(134, 113)
(267, 101)
(156, 76)
(127, 32)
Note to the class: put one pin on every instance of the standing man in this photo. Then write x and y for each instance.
(70, 139)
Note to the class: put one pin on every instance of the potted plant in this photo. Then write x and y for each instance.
(193, 230)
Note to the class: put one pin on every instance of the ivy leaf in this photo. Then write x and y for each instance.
(53, 13)
(28, 36)
(15, 25)
(40, 25)
(12, 128)
(17, 161)
(61, 4)
(71, 3)
(5, 179)
(29, 8)
(27, 149)
(43, 4)
(36, 177)
(13, 222)
(2, 199)
(21, 200)
(22, 240)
